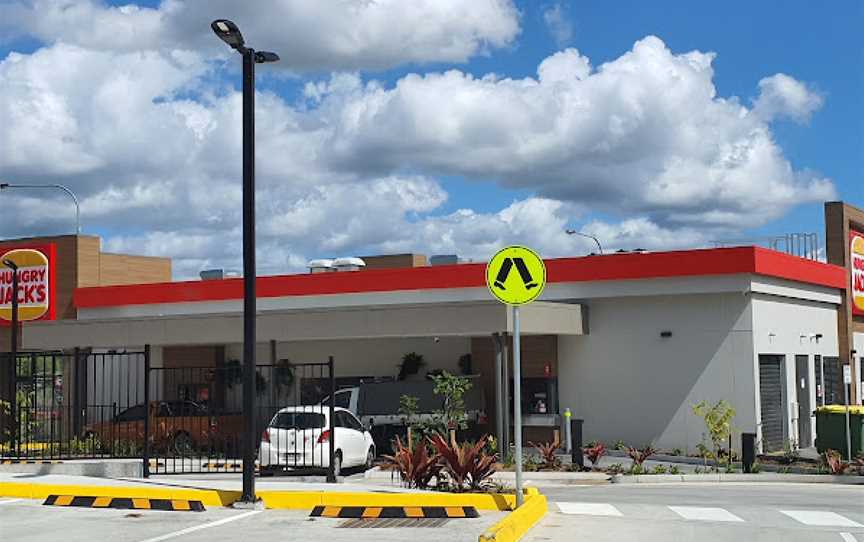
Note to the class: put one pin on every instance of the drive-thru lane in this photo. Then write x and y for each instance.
(30, 521)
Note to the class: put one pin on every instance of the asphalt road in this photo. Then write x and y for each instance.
(703, 512)
(29, 521)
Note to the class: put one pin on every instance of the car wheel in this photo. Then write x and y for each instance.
(370, 458)
(182, 444)
(337, 464)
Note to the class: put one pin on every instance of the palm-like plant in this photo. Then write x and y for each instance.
(835, 462)
(547, 452)
(595, 453)
(640, 455)
(465, 464)
(416, 467)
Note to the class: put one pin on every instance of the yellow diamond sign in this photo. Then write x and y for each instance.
(516, 275)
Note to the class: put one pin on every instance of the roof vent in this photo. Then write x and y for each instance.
(321, 266)
(218, 274)
(444, 259)
(348, 264)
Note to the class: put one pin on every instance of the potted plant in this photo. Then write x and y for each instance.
(465, 364)
(412, 362)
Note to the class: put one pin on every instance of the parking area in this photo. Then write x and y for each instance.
(25, 519)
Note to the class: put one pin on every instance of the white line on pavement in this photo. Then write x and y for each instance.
(11, 501)
(588, 508)
(847, 537)
(820, 519)
(202, 526)
(704, 514)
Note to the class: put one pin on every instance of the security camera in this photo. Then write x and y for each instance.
(436, 339)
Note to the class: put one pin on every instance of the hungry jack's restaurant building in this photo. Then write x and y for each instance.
(629, 342)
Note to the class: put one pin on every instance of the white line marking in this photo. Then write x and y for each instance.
(847, 537)
(11, 501)
(704, 514)
(820, 519)
(203, 526)
(588, 508)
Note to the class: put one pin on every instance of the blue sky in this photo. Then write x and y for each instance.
(455, 180)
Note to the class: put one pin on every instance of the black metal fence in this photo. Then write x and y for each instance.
(177, 420)
(196, 421)
(56, 405)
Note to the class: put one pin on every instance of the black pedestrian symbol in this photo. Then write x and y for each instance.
(504, 272)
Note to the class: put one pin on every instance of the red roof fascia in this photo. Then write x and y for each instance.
(630, 266)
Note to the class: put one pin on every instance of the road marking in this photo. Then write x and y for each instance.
(203, 526)
(820, 519)
(588, 508)
(11, 501)
(847, 537)
(704, 514)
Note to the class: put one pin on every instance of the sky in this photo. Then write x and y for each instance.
(431, 126)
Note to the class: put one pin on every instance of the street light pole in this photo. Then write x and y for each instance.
(71, 194)
(249, 301)
(230, 34)
(588, 236)
(12, 370)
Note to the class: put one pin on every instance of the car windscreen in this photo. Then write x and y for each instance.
(131, 414)
(298, 420)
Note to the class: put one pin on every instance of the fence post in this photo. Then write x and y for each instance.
(331, 471)
(146, 457)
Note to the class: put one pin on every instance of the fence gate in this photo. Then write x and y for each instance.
(195, 422)
(71, 405)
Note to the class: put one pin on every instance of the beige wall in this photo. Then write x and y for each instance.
(117, 269)
(627, 382)
(787, 327)
(365, 357)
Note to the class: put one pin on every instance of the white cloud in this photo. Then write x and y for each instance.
(316, 35)
(155, 157)
(644, 134)
(558, 24)
(782, 96)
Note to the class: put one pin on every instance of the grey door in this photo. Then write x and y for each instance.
(802, 387)
(771, 401)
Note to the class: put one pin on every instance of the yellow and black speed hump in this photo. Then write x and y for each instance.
(516, 275)
(125, 503)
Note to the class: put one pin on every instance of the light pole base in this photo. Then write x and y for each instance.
(244, 505)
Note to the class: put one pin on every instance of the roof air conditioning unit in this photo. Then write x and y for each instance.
(320, 266)
(348, 264)
(219, 274)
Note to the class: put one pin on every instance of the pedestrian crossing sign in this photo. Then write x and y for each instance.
(516, 275)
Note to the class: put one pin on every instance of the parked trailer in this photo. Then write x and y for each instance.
(376, 404)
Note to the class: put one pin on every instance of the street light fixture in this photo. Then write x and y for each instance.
(228, 32)
(588, 236)
(4, 186)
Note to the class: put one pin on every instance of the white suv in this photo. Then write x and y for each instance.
(299, 438)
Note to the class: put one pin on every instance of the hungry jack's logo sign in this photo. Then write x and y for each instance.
(35, 283)
(856, 270)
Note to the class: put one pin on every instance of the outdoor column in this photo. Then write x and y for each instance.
(505, 364)
(499, 393)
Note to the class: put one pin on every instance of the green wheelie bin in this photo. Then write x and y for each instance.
(831, 429)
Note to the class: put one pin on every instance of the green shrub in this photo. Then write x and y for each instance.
(718, 426)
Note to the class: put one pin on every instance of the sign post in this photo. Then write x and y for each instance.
(515, 289)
